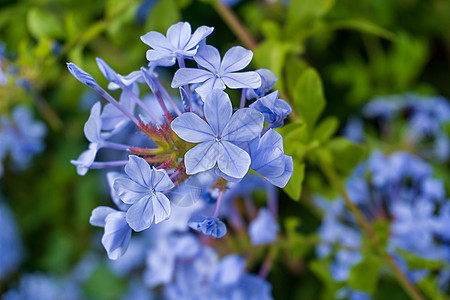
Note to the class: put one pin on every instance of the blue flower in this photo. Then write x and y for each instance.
(208, 225)
(117, 235)
(92, 131)
(273, 109)
(23, 135)
(217, 138)
(263, 229)
(218, 74)
(269, 160)
(178, 43)
(268, 80)
(143, 190)
(11, 248)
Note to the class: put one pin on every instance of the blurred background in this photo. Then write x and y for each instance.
(362, 50)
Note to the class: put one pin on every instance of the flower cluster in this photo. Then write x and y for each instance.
(421, 122)
(401, 190)
(11, 248)
(194, 147)
(21, 136)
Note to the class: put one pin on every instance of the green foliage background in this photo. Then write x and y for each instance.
(330, 57)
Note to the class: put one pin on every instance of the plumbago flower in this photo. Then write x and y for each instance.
(219, 74)
(202, 147)
(399, 189)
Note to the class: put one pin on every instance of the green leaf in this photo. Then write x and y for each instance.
(430, 287)
(346, 155)
(309, 100)
(416, 262)
(326, 129)
(294, 186)
(363, 26)
(164, 14)
(364, 275)
(43, 24)
(104, 285)
(302, 11)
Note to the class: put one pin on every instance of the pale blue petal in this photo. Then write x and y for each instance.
(185, 99)
(179, 35)
(229, 271)
(226, 177)
(185, 76)
(138, 170)
(158, 55)
(245, 125)
(209, 86)
(264, 229)
(201, 33)
(208, 225)
(107, 71)
(282, 180)
(82, 76)
(232, 160)
(157, 41)
(236, 59)
(247, 80)
(191, 128)
(160, 181)
(161, 207)
(201, 158)
(272, 139)
(218, 110)
(129, 191)
(208, 57)
(117, 235)
(99, 214)
(140, 215)
(111, 178)
(269, 162)
(93, 126)
(86, 159)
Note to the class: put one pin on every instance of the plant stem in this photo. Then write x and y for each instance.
(335, 182)
(235, 25)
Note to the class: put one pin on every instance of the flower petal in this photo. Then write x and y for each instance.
(208, 57)
(271, 139)
(160, 180)
(129, 191)
(283, 179)
(236, 59)
(99, 214)
(82, 76)
(192, 128)
(179, 35)
(161, 207)
(218, 110)
(158, 55)
(245, 125)
(86, 159)
(140, 215)
(157, 41)
(248, 80)
(107, 71)
(199, 34)
(117, 235)
(210, 85)
(138, 170)
(201, 158)
(232, 160)
(268, 162)
(185, 76)
(93, 125)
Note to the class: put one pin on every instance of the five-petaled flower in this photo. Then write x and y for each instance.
(218, 74)
(179, 43)
(217, 138)
(143, 190)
